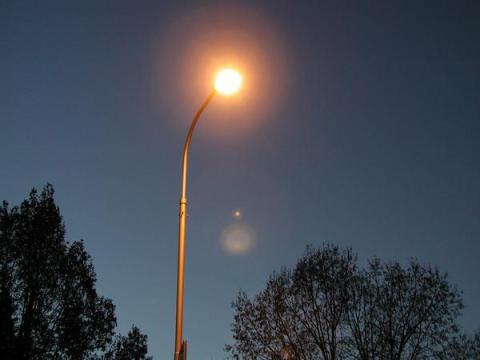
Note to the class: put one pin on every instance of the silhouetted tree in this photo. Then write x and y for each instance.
(462, 347)
(7, 306)
(130, 347)
(300, 313)
(328, 308)
(321, 281)
(49, 307)
(401, 313)
(7, 312)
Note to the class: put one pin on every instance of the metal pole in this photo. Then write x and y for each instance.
(181, 235)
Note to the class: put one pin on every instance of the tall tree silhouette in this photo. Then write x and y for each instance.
(402, 312)
(301, 313)
(50, 308)
(329, 308)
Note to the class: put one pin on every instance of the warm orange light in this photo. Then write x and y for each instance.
(228, 82)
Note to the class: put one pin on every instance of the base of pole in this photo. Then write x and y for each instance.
(183, 351)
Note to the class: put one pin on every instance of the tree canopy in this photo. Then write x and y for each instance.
(329, 308)
(130, 347)
(49, 306)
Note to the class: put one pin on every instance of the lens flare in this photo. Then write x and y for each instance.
(237, 239)
(228, 82)
(237, 214)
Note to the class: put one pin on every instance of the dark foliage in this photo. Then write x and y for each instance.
(328, 308)
(402, 313)
(130, 347)
(49, 307)
(463, 347)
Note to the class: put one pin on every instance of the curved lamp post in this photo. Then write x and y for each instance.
(227, 82)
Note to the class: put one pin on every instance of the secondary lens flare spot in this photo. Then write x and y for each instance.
(237, 239)
(237, 214)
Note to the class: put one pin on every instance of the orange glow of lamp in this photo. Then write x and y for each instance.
(228, 82)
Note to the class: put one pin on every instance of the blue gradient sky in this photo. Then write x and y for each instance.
(365, 132)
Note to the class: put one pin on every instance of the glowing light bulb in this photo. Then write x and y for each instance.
(228, 82)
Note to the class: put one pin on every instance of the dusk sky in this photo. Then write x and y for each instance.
(358, 124)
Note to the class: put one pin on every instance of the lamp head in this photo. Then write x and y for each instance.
(228, 82)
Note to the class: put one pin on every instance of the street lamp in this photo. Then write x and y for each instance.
(227, 82)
